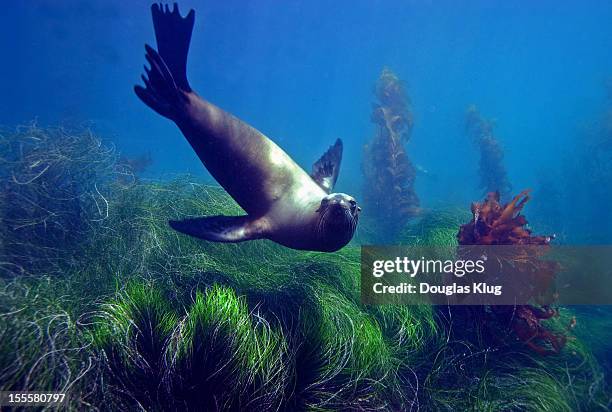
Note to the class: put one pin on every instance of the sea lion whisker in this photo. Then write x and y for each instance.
(323, 220)
(318, 227)
(350, 219)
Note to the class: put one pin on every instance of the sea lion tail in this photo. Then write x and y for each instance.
(166, 81)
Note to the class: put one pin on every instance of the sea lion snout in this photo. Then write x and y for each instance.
(339, 215)
(339, 203)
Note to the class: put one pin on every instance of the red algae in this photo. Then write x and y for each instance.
(497, 224)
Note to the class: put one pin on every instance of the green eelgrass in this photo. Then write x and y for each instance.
(223, 357)
(44, 344)
(346, 357)
(217, 356)
(131, 336)
(54, 185)
(435, 228)
(481, 367)
(136, 315)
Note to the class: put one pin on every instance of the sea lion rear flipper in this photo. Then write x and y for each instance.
(166, 80)
(325, 170)
(221, 228)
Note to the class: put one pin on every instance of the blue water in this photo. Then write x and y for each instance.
(303, 73)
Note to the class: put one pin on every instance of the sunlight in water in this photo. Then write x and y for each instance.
(277, 156)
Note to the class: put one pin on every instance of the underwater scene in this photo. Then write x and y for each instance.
(191, 235)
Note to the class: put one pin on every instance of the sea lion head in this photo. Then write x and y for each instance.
(338, 217)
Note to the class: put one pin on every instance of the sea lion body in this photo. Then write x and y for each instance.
(283, 203)
(238, 156)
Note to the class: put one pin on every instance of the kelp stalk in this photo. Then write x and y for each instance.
(389, 195)
(493, 176)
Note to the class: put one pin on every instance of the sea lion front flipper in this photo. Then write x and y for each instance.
(221, 228)
(325, 170)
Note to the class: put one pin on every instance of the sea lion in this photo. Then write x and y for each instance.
(283, 203)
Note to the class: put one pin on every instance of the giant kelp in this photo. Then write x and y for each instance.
(389, 196)
(146, 318)
(493, 176)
